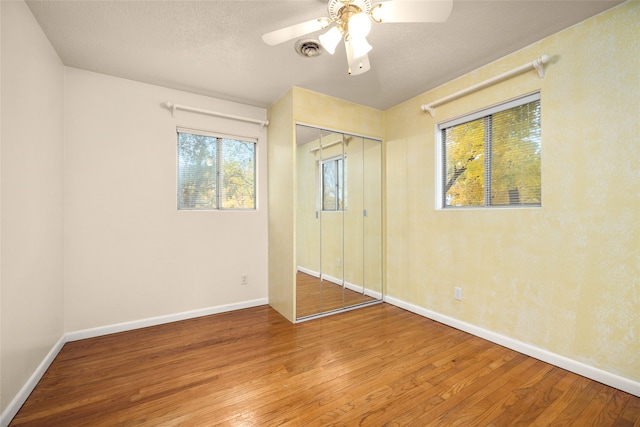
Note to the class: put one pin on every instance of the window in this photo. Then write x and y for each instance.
(492, 158)
(333, 181)
(215, 172)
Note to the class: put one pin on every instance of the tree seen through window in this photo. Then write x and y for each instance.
(215, 173)
(494, 160)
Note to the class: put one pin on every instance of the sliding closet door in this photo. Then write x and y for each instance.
(353, 224)
(308, 289)
(338, 221)
(372, 220)
(332, 204)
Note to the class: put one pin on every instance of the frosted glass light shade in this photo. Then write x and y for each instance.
(356, 65)
(359, 25)
(330, 39)
(360, 47)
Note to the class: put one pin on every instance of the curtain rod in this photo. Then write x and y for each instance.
(173, 107)
(330, 144)
(537, 64)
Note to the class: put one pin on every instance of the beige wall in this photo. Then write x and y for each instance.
(90, 234)
(31, 289)
(2, 405)
(129, 253)
(563, 277)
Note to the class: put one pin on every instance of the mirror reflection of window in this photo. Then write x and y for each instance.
(333, 184)
(338, 222)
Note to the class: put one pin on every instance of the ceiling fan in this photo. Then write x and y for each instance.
(351, 20)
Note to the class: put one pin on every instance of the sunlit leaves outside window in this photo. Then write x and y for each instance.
(494, 160)
(215, 173)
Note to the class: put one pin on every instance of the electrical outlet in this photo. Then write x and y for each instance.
(339, 262)
(457, 293)
(244, 280)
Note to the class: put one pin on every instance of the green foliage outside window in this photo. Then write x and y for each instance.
(215, 173)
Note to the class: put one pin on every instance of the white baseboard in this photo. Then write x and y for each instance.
(353, 287)
(309, 272)
(153, 321)
(596, 374)
(12, 409)
(338, 281)
(613, 380)
(16, 403)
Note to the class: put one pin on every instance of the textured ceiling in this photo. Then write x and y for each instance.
(214, 47)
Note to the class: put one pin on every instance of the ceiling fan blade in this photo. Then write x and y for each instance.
(412, 11)
(359, 66)
(356, 65)
(284, 34)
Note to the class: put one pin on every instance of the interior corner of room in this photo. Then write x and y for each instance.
(92, 243)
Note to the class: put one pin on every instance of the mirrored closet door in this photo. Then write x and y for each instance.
(338, 221)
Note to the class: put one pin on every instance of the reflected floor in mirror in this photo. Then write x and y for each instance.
(314, 296)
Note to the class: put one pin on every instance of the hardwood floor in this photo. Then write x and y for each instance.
(379, 365)
(314, 296)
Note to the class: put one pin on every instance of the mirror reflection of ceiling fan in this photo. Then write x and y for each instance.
(350, 20)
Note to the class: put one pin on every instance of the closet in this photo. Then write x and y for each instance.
(338, 221)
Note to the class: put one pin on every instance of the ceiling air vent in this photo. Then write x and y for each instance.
(308, 48)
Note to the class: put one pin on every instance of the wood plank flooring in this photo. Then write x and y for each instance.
(314, 296)
(379, 365)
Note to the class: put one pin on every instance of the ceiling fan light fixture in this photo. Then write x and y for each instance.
(330, 39)
(376, 13)
(350, 21)
(359, 25)
(357, 65)
(360, 47)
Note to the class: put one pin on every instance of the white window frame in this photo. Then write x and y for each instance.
(439, 169)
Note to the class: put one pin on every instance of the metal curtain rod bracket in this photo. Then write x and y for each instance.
(173, 107)
(537, 64)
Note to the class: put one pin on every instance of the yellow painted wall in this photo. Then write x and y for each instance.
(564, 277)
(327, 112)
(281, 159)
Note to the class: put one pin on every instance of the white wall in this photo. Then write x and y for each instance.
(32, 198)
(1, 404)
(89, 231)
(129, 253)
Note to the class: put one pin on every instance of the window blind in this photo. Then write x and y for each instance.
(215, 171)
(493, 157)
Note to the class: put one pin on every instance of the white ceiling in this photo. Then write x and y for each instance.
(214, 47)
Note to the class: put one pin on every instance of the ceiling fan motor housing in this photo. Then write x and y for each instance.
(335, 7)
